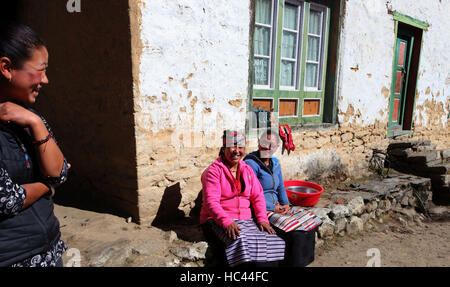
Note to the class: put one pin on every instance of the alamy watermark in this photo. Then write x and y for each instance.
(203, 131)
(375, 257)
(73, 6)
(75, 258)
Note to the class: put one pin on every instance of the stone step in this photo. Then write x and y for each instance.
(425, 148)
(399, 152)
(424, 157)
(441, 179)
(442, 169)
(441, 197)
(410, 144)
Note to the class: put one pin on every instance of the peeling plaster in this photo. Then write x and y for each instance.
(369, 59)
(196, 65)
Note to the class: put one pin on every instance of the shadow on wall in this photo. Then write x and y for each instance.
(89, 100)
(170, 217)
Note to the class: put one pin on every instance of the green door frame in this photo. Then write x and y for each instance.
(394, 130)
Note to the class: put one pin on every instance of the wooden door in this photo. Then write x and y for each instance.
(400, 75)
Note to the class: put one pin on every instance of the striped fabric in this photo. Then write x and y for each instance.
(296, 219)
(251, 245)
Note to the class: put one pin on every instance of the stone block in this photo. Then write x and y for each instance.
(433, 163)
(335, 139)
(425, 148)
(340, 225)
(378, 212)
(365, 217)
(402, 153)
(356, 205)
(354, 225)
(361, 133)
(339, 211)
(424, 157)
(371, 206)
(441, 179)
(321, 212)
(346, 137)
(387, 205)
(357, 142)
(438, 169)
(445, 154)
(195, 251)
(323, 140)
(400, 145)
(326, 229)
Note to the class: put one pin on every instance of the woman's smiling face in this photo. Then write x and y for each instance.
(234, 154)
(29, 79)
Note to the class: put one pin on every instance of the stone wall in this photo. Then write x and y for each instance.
(350, 211)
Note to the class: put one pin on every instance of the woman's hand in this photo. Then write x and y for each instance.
(232, 230)
(50, 157)
(11, 112)
(266, 226)
(282, 209)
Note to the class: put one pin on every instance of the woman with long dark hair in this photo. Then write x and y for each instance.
(31, 163)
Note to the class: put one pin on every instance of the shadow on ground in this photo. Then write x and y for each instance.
(170, 218)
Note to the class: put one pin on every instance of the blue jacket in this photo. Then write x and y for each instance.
(271, 180)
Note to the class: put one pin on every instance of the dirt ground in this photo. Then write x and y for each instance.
(108, 240)
(397, 245)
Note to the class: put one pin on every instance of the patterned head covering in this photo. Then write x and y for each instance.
(232, 138)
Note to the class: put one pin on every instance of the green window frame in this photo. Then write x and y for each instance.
(297, 59)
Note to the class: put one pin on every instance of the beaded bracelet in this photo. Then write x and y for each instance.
(44, 140)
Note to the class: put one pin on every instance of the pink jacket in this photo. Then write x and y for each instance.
(223, 203)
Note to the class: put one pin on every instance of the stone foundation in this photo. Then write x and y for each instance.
(374, 198)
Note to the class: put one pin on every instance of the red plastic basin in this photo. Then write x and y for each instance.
(300, 198)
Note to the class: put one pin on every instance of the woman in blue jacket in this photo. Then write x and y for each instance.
(299, 234)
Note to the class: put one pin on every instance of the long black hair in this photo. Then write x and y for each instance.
(17, 42)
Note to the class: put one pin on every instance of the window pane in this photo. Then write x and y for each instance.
(263, 12)
(261, 71)
(311, 75)
(261, 41)
(314, 22)
(289, 45)
(290, 17)
(287, 73)
(313, 49)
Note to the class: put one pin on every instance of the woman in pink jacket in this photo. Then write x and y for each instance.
(231, 191)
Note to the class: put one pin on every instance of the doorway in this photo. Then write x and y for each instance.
(408, 42)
